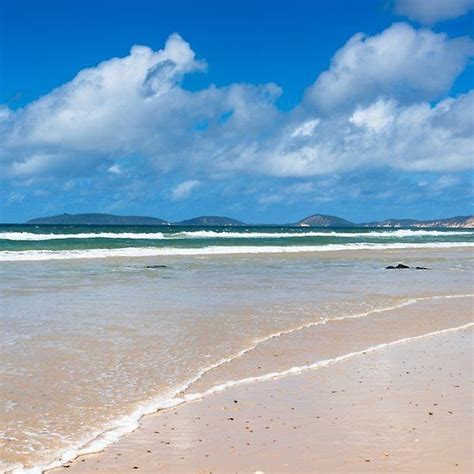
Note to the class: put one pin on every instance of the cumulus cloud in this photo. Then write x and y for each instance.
(401, 62)
(374, 108)
(376, 117)
(103, 107)
(184, 189)
(432, 11)
(415, 137)
(132, 106)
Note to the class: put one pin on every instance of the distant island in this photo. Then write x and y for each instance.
(315, 220)
(210, 220)
(110, 219)
(322, 220)
(451, 222)
(97, 219)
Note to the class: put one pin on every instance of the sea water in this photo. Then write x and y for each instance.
(103, 324)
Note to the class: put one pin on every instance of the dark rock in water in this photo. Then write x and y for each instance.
(399, 266)
(402, 266)
(156, 266)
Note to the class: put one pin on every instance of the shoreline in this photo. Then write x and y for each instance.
(188, 396)
(157, 432)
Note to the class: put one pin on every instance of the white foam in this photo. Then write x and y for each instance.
(101, 440)
(323, 363)
(208, 234)
(38, 255)
(370, 234)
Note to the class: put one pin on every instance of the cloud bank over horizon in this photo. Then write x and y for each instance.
(383, 105)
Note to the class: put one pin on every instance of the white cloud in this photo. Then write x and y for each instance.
(184, 190)
(444, 182)
(5, 113)
(401, 63)
(35, 164)
(306, 129)
(15, 198)
(105, 107)
(115, 169)
(417, 137)
(368, 110)
(133, 106)
(432, 11)
(376, 117)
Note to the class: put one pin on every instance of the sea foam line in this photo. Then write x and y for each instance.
(371, 234)
(316, 365)
(125, 425)
(209, 234)
(41, 255)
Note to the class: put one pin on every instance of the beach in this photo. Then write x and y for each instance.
(107, 331)
(405, 407)
(236, 237)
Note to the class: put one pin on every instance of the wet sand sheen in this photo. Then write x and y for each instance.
(91, 345)
(394, 409)
(343, 335)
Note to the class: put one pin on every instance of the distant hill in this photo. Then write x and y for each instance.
(322, 220)
(210, 220)
(97, 219)
(451, 222)
(391, 223)
(316, 220)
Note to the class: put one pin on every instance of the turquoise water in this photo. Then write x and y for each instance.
(34, 242)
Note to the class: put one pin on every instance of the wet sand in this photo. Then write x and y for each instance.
(403, 408)
(91, 345)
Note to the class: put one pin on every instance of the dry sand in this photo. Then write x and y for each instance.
(404, 408)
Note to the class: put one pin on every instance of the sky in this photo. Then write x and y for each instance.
(258, 110)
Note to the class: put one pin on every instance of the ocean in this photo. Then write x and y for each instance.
(101, 325)
(32, 243)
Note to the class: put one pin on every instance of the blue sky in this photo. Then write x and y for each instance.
(262, 111)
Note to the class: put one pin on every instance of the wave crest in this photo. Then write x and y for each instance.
(211, 234)
(37, 255)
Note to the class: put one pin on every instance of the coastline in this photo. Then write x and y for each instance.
(237, 238)
(144, 439)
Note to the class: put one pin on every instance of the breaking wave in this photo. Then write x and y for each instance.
(37, 255)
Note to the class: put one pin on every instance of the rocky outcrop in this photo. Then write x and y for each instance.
(402, 266)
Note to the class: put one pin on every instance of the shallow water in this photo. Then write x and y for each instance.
(86, 341)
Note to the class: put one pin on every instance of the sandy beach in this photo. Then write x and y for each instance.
(236, 237)
(402, 407)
